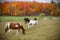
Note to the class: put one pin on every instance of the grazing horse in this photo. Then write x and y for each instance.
(27, 20)
(14, 26)
(32, 22)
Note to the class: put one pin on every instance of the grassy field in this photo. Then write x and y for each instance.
(47, 29)
(15, 18)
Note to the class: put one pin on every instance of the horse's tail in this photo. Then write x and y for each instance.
(7, 27)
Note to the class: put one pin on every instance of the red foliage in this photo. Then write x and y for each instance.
(26, 6)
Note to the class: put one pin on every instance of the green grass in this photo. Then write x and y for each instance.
(15, 18)
(45, 30)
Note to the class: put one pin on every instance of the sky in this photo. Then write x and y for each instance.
(44, 1)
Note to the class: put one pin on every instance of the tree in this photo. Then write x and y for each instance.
(0, 9)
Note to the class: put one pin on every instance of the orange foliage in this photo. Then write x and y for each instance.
(21, 7)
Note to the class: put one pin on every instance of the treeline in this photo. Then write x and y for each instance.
(27, 9)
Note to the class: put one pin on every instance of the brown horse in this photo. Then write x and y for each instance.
(14, 26)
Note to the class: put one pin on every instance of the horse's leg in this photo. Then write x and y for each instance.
(23, 30)
(28, 27)
(6, 29)
(17, 32)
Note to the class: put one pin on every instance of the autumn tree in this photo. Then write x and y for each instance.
(0, 9)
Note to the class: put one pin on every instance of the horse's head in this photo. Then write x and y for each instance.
(27, 20)
(35, 18)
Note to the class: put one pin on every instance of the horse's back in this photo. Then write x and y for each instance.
(33, 22)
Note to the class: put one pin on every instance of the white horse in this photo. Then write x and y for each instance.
(32, 22)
